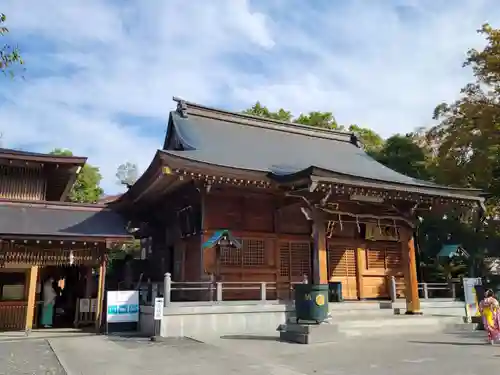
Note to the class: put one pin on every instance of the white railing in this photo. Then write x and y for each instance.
(427, 290)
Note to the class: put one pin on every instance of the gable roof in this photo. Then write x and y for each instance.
(280, 149)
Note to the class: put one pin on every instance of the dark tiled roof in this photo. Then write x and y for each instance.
(245, 142)
(60, 221)
(28, 155)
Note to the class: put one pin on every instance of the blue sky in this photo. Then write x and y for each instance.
(101, 74)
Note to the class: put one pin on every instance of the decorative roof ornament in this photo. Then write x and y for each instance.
(181, 107)
(223, 238)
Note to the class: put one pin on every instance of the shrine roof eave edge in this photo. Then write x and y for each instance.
(165, 164)
(66, 238)
(325, 180)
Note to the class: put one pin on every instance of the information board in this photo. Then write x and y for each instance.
(122, 306)
(471, 299)
(159, 308)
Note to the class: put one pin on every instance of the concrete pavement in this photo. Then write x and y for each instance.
(33, 357)
(458, 353)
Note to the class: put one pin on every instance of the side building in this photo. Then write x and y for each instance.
(43, 237)
(301, 200)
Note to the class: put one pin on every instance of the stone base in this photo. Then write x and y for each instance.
(309, 333)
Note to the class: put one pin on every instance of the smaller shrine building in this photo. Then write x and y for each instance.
(42, 237)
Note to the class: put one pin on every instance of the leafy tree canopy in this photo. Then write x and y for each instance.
(9, 55)
(86, 188)
(468, 135)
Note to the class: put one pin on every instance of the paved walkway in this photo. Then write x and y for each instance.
(458, 354)
(33, 357)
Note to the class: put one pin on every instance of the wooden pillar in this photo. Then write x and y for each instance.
(30, 309)
(100, 295)
(410, 273)
(320, 261)
(360, 267)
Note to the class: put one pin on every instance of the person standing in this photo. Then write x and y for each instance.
(49, 299)
(490, 312)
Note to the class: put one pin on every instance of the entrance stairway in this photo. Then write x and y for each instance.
(350, 319)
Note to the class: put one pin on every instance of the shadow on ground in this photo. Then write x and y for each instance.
(251, 337)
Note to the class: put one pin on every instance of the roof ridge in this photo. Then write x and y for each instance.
(183, 107)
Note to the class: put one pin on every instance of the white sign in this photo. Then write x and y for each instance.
(93, 305)
(122, 306)
(159, 308)
(84, 305)
(471, 300)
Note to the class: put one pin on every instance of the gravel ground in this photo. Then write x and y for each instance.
(430, 354)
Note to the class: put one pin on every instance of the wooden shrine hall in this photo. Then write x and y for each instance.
(301, 200)
(43, 237)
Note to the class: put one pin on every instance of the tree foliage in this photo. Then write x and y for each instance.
(9, 55)
(86, 188)
(462, 150)
(468, 134)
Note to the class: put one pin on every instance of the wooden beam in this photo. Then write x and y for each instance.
(30, 309)
(410, 273)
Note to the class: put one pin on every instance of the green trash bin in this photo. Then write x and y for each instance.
(335, 288)
(311, 302)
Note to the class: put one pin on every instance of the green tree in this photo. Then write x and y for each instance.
(86, 188)
(468, 135)
(372, 142)
(127, 174)
(402, 154)
(324, 120)
(260, 110)
(9, 55)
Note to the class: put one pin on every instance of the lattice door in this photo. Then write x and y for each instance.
(295, 262)
(342, 267)
(384, 255)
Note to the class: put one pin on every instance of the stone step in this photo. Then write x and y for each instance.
(308, 334)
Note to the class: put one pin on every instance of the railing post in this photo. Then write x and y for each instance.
(167, 288)
(393, 289)
(211, 287)
(453, 291)
(426, 290)
(219, 291)
(263, 291)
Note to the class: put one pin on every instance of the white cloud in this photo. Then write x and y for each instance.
(90, 63)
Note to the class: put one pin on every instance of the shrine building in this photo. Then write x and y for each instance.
(304, 202)
(42, 237)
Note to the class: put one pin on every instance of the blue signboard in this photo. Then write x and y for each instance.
(123, 306)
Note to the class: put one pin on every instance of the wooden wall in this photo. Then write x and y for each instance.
(22, 183)
(276, 248)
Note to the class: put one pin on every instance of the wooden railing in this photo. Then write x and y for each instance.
(12, 316)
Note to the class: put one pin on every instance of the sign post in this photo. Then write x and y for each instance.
(158, 316)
